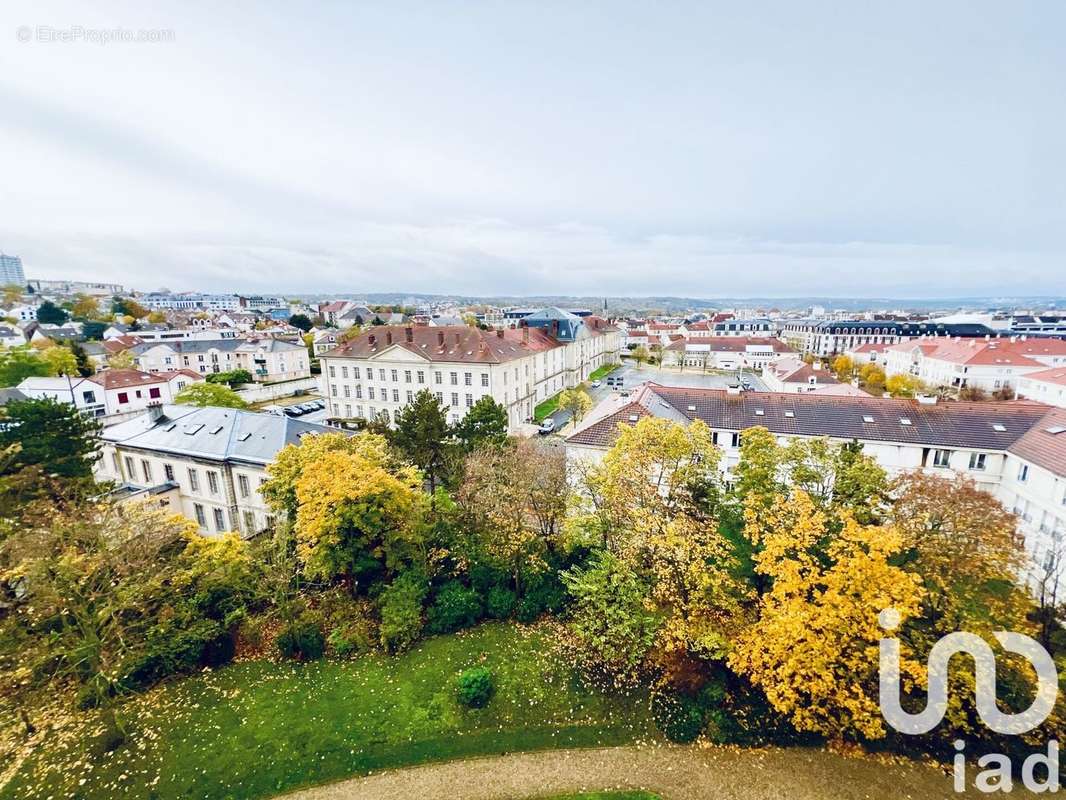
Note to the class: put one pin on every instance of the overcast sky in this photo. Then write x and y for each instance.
(844, 149)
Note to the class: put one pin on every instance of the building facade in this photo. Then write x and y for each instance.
(268, 360)
(11, 272)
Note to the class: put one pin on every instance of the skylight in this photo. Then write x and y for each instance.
(868, 418)
(244, 437)
(171, 426)
(215, 430)
(759, 412)
(904, 420)
(634, 417)
(692, 408)
(998, 428)
(790, 414)
(1056, 429)
(191, 429)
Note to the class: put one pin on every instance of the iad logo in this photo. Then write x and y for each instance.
(998, 777)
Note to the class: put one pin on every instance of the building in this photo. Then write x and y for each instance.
(91, 288)
(269, 360)
(209, 462)
(193, 300)
(112, 392)
(1013, 450)
(832, 337)
(381, 369)
(726, 352)
(743, 327)
(794, 376)
(11, 272)
(987, 364)
(11, 336)
(1046, 386)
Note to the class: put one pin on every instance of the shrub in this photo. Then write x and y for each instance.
(678, 716)
(354, 637)
(454, 607)
(474, 687)
(545, 593)
(401, 611)
(233, 377)
(302, 639)
(171, 649)
(500, 602)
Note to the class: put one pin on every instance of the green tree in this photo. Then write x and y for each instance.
(233, 377)
(576, 401)
(424, 438)
(758, 473)
(128, 307)
(85, 307)
(210, 394)
(85, 366)
(19, 363)
(93, 329)
(640, 354)
(484, 423)
(51, 435)
(301, 321)
(60, 361)
(48, 313)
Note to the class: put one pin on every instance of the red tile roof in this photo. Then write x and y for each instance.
(1045, 443)
(1053, 375)
(460, 343)
(121, 378)
(1017, 353)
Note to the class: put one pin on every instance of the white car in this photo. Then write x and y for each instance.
(596, 384)
(546, 427)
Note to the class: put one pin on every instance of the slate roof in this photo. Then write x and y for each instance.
(944, 424)
(216, 434)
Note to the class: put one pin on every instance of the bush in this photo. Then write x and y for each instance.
(474, 687)
(678, 716)
(500, 603)
(545, 593)
(401, 611)
(454, 607)
(171, 649)
(352, 638)
(233, 377)
(302, 639)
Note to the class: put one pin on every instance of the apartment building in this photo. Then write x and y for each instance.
(1046, 386)
(1013, 450)
(794, 376)
(208, 464)
(269, 360)
(382, 369)
(832, 337)
(726, 352)
(112, 392)
(987, 364)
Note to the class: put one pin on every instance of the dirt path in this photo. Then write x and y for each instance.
(676, 773)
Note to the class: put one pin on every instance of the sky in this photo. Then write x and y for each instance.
(904, 149)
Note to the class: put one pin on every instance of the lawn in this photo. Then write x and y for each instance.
(603, 371)
(256, 728)
(546, 409)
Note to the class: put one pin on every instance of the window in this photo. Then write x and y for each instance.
(396, 395)
(146, 468)
(469, 400)
(1023, 473)
(735, 440)
(395, 375)
(454, 378)
(249, 522)
(129, 468)
(242, 485)
(485, 379)
(942, 458)
(455, 399)
(332, 371)
(359, 392)
(407, 376)
(220, 520)
(153, 393)
(123, 397)
(421, 375)
(440, 399)
(344, 372)
(201, 520)
(194, 481)
(410, 395)
(212, 482)
(333, 390)
(347, 390)
(347, 410)
(438, 377)
(168, 472)
(977, 461)
(467, 379)
(88, 397)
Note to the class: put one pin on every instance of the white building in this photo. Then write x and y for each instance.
(209, 462)
(1046, 386)
(383, 368)
(726, 352)
(269, 360)
(987, 364)
(1016, 451)
(113, 391)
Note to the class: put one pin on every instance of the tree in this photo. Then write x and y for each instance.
(838, 477)
(758, 474)
(94, 330)
(233, 377)
(423, 436)
(872, 379)
(128, 307)
(470, 320)
(355, 510)
(640, 354)
(903, 385)
(19, 363)
(576, 401)
(485, 423)
(52, 436)
(85, 307)
(85, 366)
(813, 650)
(60, 361)
(48, 313)
(210, 394)
(12, 294)
(157, 317)
(301, 321)
(973, 394)
(123, 359)
(844, 368)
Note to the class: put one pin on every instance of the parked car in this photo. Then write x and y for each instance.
(546, 427)
(293, 411)
(596, 384)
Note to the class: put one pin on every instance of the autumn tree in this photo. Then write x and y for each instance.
(813, 650)
(838, 477)
(210, 394)
(576, 401)
(60, 361)
(903, 385)
(85, 307)
(640, 354)
(355, 510)
(122, 360)
(19, 363)
(844, 368)
(872, 379)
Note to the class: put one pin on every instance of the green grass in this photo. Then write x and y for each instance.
(603, 371)
(546, 409)
(257, 728)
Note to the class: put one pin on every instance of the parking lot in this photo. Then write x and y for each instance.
(290, 409)
(689, 378)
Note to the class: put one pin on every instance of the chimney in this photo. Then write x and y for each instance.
(458, 337)
(525, 333)
(371, 339)
(388, 337)
(440, 338)
(155, 412)
(409, 334)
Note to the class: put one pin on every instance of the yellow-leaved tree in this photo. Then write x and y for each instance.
(814, 648)
(354, 508)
